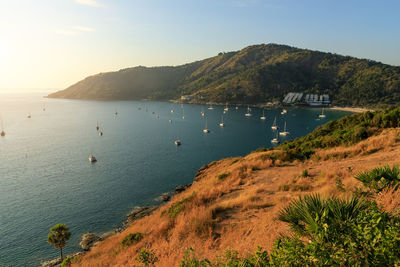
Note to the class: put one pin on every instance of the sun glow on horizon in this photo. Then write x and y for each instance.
(54, 44)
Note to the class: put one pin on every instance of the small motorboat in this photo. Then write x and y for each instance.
(178, 142)
(170, 121)
(29, 116)
(3, 133)
(101, 133)
(92, 158)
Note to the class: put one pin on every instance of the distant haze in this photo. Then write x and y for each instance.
(53, 44)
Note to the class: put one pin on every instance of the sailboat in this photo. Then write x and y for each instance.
(157, 116)
(222, 124)
(263, 116)
(284, 133)
(44, 107)
(205, 130)
(322, 115)
(3, 133)
(183, 114)
(92, 158)
(97, 126)
(29, 116)
(274, 127)
(170, 121)
(226, 107)
(210, 107)
(248, 114)
(116, 113)
(101, 133)
(275, 140)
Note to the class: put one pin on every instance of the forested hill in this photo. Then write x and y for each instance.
(255, 74)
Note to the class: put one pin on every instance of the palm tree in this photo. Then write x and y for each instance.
(58, 236)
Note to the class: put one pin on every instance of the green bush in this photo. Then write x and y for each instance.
(147, 257)
(345, 131)
(131, 239)
(176, 208)
(304, 174)
(380, 177)
(222, 176)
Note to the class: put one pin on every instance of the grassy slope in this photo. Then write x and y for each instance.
(239, 212)
(254, 74)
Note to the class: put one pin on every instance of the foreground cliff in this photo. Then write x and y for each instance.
(238, 204)
(255, 74)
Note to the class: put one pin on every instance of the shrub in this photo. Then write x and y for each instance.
(222, 176)
(67, 262)
(131, 239)
(176, 208)
(304, 173)
(189, 260)
(147, 258)
(380, 177)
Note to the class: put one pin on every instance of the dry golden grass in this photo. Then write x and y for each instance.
(239, 212)
(389, 200)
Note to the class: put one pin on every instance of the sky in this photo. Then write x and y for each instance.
(52, 44)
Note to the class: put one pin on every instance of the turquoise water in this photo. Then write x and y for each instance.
(46, 178)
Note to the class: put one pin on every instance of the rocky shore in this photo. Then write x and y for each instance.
(89, 240)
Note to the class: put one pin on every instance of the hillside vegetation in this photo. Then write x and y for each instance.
(340, 206)
(254, 74)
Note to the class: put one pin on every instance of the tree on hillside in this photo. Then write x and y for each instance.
(58, 237)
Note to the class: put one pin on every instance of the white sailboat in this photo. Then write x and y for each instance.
(222, 124)
(3, 133)
(284, 133)
(97, 126)
(210, 107)
(274, 126)
(275, 140)
(248, 114)
(226, 107)
(322, 115)
(263, 116)
(202, 111)
(205, 130)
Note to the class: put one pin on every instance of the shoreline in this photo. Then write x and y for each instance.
(351, 109)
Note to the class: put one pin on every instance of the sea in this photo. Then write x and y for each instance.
(46, 177)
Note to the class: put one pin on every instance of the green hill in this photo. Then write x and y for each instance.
(254, 74)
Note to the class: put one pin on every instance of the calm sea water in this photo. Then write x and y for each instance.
(46, 178)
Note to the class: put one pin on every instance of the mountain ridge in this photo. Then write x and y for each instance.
(254, 74)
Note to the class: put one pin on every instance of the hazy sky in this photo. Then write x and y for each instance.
(55, 43)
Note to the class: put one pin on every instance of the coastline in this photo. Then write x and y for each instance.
(351, 109)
